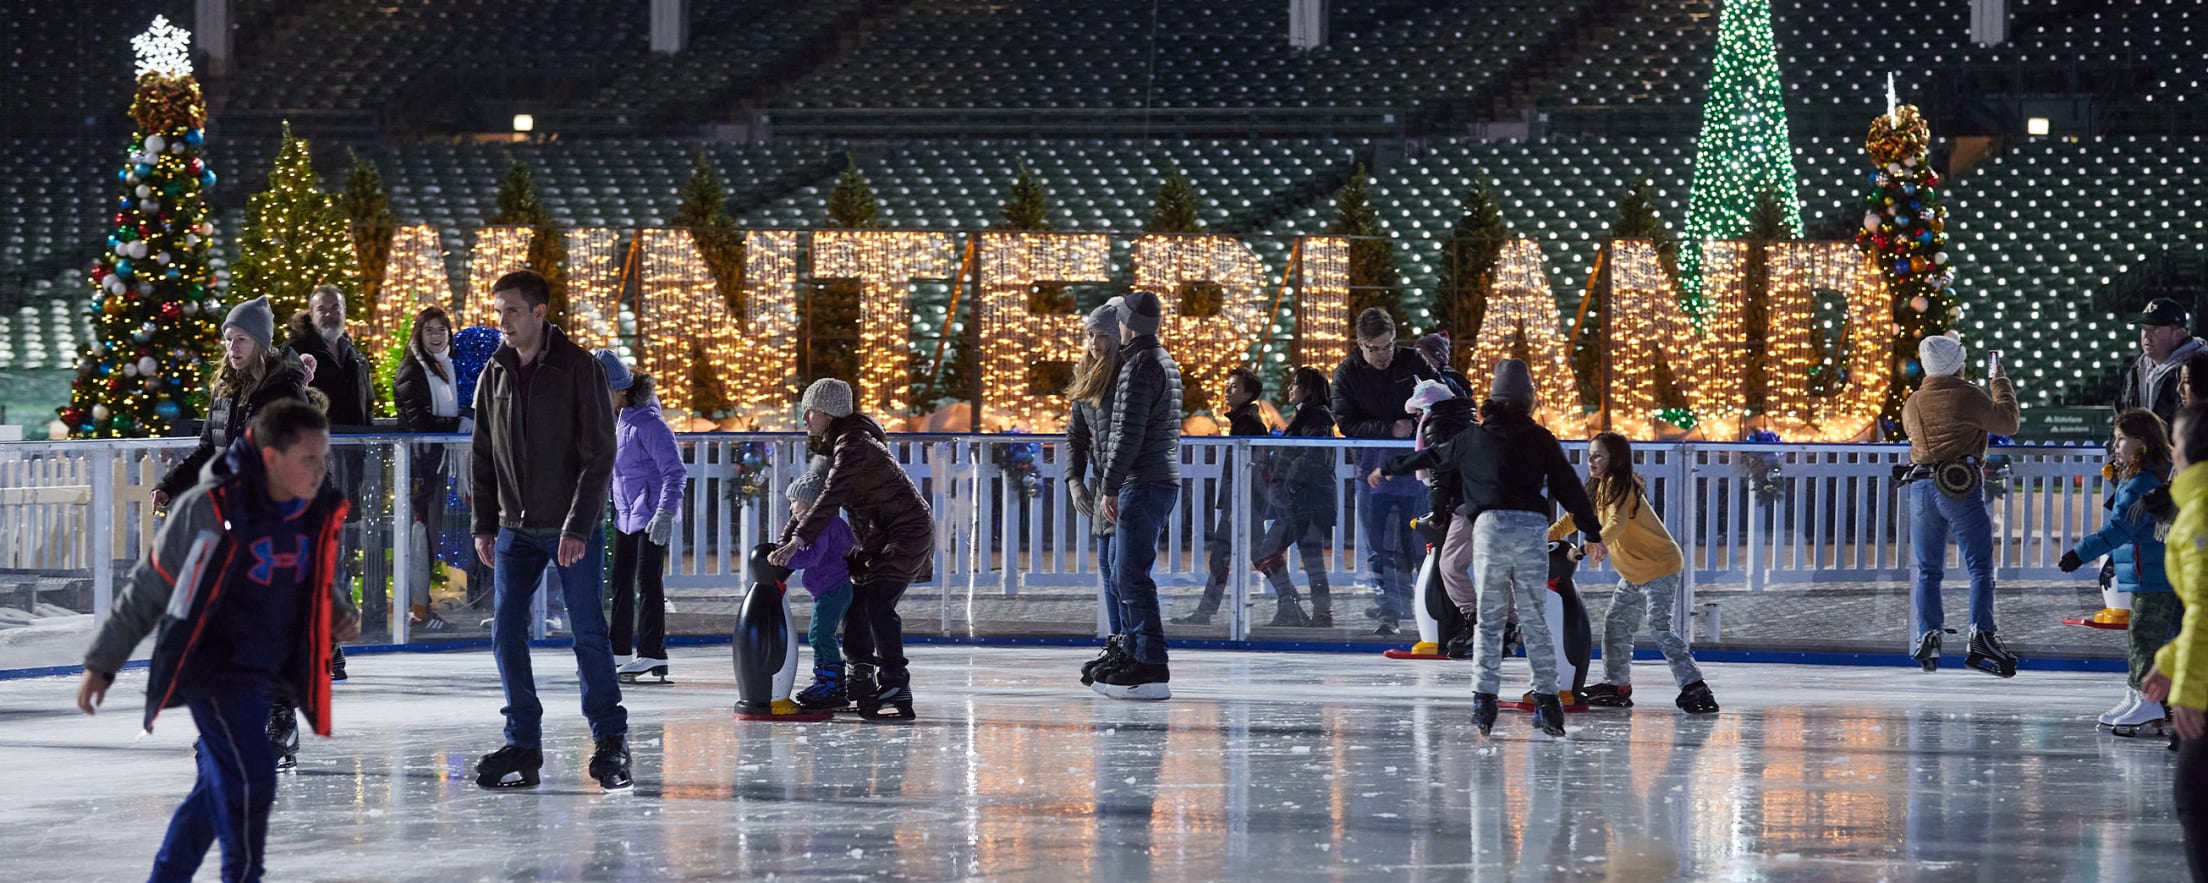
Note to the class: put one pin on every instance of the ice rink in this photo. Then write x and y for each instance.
(1264, 765)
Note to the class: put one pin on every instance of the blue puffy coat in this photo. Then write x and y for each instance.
(2132, 538)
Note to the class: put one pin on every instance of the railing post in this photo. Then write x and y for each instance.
(402, 539)
(103, 538)
(1240, 511)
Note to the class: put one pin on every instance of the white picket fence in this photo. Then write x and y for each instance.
(1760, 516)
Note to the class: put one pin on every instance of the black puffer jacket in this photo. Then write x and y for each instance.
(227, 417)
(410, 389)
(1144, 443)
(340, 372)
(1307, 480)
(1443, 422)
(1502, 464)
(1368, 400)
(892, 526)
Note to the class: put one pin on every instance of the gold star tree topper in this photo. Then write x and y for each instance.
(163, 49)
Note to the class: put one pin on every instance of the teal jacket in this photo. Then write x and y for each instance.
(2132, 538)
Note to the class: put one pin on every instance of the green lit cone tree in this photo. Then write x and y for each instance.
(296, 238)
(519, 206)
(1468, 269)
(1743, 148)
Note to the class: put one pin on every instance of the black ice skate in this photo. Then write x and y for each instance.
(1548, 714)
(827, 692)
(1136, 680)
(509, 767)
(1484, 710)
(1927, 650)
(283, 737)
(609, 764)
(1988, 655)
(1695, 698)
(891, 687)
(337, 663)
(1608, 696)
(1115, 652)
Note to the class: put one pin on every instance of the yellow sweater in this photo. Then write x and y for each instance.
(1640, 548)
(2185, 660)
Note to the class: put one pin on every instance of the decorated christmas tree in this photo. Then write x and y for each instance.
(154, 305)
(295, 238)
(1905, 233)
(1743, 148)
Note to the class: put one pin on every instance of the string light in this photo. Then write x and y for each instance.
(1015, 338)
(886, 263)
(414, 277)
(1798, 271)
(498, 251)
(1718, 381)
(1322, 300)
(1519, 303)
(1744, 147)
(1647, 328)
(1205, 347)
(680, 313)
(594, 288)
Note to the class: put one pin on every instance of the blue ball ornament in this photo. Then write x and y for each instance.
(167, 410)
(122, 267)
(1901, 220)
(173, 274)
(1925, 237)
(1901, 267)
(207, 178)
(1911, 368)
(195, 137)
(143, 170)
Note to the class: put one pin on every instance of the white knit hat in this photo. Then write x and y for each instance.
(828, 396)
(1940, 355)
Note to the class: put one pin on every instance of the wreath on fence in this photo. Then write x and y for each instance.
(1764, 473)
(1018, 460)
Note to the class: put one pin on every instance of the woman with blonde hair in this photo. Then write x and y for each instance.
(1094, 391)
(251, 375)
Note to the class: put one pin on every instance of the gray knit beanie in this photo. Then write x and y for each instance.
(1513, 383)
(255, 318)
(1104, 319)
(806, 487)
(828, 396)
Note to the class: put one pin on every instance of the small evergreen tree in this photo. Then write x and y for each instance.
(295, 238)
(1026, 209)
(703, 210)
(829, 316)
(1175, 212)
(1636, 219)
(1468, 268)
(1028, 206)
(518, 206)
(1372, 273)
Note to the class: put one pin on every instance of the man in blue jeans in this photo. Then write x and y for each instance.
(1948, 420)
(1370, 387)
(542, 459)
(1141, 456)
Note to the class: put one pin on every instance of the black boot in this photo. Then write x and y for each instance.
(1115, 652)
(609, 764)
(337, 663)
(1483, 712)
(1289, 614)
(1695, 698)
(827, 692)
(892, 688)
(509, 767)
(859, 680)
(1608, 696)
(283, 736)
(1548, 714)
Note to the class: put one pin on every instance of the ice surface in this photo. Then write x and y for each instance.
(1263, 765)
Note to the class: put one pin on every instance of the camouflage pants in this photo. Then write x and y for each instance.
(2155, 618)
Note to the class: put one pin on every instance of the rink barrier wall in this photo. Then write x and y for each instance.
(1759, 518)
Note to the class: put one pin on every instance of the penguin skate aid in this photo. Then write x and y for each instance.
(1949, 421)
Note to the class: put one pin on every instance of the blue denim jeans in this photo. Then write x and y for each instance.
(1104, 571)
(1393, 554)
(1143, 509)
(1933, 518)
(522, 558)
(236, 788)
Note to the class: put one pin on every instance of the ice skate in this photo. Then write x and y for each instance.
(644, 667)
(1609, 696)
(1988, 655)
(2144, 718)
(283, 737)
(892, 687)
(1484, 710)
(1548, 714)
(1927, 650)
(2124, 708)
(609, 764)
(1136, 680)
(509, 767)
(337, 663)
(1115, 650)
(1695, 698)
(827, 691)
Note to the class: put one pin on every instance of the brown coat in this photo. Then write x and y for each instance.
(892, 528)
(1949, 418)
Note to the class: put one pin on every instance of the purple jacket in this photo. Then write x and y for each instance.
(647, 468)
(823, 563)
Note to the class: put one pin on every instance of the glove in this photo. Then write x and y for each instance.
(1083, 499)
(661, 529)
(2070, 562)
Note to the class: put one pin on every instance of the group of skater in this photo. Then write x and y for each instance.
(244, 583)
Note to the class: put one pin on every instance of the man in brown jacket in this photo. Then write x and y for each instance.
(1948, 420)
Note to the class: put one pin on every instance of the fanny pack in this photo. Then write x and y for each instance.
(1958, 479)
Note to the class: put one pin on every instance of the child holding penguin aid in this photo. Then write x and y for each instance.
(828, 580)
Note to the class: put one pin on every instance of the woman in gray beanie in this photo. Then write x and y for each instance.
(1094, 392)
(894, 542)
(252, 374)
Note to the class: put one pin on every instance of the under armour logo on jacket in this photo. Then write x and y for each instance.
(266, 559)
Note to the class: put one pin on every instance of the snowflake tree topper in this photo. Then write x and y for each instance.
(163, 49)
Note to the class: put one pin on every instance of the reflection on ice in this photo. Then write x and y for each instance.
(1306, 765)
